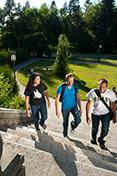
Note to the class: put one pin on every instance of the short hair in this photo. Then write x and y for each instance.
(101, 81)
(69, 75)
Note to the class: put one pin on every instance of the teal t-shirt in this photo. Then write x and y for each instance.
(69, 96)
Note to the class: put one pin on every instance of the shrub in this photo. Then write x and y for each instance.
(7, 76)
(9, 90)
(17, 102)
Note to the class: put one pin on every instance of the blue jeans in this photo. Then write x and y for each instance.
(76, 114)
(38, 110)
(105, 122)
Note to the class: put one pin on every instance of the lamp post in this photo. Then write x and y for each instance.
(13, 59)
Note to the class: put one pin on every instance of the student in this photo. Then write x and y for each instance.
(35, 94)
(70, 99)
(100, 111)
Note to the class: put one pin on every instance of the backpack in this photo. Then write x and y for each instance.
(63, 90)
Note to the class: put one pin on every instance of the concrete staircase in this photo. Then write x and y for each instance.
(47, 153)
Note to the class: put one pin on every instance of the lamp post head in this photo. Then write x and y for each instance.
(13, 56)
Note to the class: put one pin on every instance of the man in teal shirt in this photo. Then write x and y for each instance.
(70, 99)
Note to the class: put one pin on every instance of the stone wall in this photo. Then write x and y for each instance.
(12, 117)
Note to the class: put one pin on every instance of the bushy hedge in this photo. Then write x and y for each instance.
(9, 90)
(4, 57)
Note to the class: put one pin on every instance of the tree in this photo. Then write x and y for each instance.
(74, 6)
(2, 19)
(27, 5)
(61, 64)
(104, 22)
(9, 41)
(113, 32)
(53, 25)
(87, 4)
(76, 24)
(9, 11)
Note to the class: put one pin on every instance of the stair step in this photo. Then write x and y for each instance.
(54, 143)
(42, 163)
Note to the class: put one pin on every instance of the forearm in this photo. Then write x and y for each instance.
(79, 103)
(87, 109)
(56, 105)
(27, 103)
(113, 106)
(47, 96)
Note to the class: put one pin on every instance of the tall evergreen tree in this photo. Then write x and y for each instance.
(27, 5)
(104, 22)
(75, 21)
(74, 5)
(61, 64)
(87, 4)
(10, 14)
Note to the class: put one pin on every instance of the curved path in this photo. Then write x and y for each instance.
(55, 124)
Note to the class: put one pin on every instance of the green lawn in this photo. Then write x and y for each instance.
(86, 73)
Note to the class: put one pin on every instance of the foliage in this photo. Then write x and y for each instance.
(60, 66)
(95, 24)
(21, 55)
(9, 90)
(4, 57)
(9, 41)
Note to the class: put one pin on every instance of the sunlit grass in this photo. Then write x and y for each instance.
(88, 73)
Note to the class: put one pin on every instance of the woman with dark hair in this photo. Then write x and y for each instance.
(35, 94)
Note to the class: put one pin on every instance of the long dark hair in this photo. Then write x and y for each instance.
(31, 80)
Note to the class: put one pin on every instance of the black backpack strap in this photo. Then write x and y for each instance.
(63, 89)
(75, 88)
(99, 95)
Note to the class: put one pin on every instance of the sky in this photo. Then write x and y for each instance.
(38, 3)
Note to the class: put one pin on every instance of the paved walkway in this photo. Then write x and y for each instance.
(55, 124)
(47, 153)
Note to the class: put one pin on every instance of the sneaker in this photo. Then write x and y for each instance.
(101, 141)
(102, 146)
(72, 129)
(44, 126)
(37, 129)
(66, 136)
(94, 142)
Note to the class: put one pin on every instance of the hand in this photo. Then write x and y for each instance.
(88, 120)
(58, 114)
(114, 118)
(28, 114)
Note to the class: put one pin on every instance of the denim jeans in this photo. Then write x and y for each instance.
(105, 122)
(76, 114)
(38, 110)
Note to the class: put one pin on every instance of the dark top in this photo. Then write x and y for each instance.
(36, 94)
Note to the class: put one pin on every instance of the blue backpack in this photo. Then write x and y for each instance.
(64, 85)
